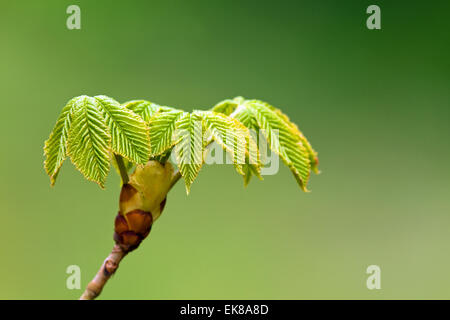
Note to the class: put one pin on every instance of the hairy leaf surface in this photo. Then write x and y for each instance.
(92, 129)
(189, 147)
(89, 140)
(281, 140)
(283, 137)
(145, 109)
(89, 130)
(226, 107)
(294, 129)
(232, 136)
(129, 133)
(55, 148)
(162, 127)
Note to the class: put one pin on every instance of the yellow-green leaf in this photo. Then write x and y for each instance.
(129, 133)
(89, 140)
(189, 148)
(55, 148)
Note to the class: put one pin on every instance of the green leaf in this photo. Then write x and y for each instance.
(89, 129)
(55, 148)
(283, 141)
(293, 127)
(252, 166)
(232, 136)
(161, 121)
(282, 136)
(246, 116)
(129, 133)
(251, 170)
(162, 127)
(145, 109)
(226, 107)
(89, 140)
(189, 147)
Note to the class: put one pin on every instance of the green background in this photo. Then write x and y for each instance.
(374, 104)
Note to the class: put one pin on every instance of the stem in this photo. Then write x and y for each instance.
(107, 269)
(111, 263)
(122, 169)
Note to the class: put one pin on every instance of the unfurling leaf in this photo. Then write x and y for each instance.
(94, 130)
(88, 130)
(162, 128)
(145, 109)
(312, 154)
(283, 136)
(55, 147)
(129, 134)
(233, 137)
(89, 140)
(189, 147)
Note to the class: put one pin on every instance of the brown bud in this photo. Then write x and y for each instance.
(130, 229)
(139, 221)
(130, 240)
(141, 202)
(120, 224)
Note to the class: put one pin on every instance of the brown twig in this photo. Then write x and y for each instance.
(111, 263)
(107, 269)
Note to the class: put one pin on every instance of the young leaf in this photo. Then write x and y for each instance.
(231, 135)
(129, 133)
(189, 147)
(145, 109)
(55, 148)
(283, 141)
(252, 167)
(251, 170)
(88, 129)
(283, 137)
(89, 140)
(162, 127)
(247, 118)
(161, 121)
(312, 154)
(226, 107)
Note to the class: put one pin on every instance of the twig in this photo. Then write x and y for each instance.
(107, 269)
(111, 263)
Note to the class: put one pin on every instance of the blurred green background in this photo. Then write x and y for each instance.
(374, 104)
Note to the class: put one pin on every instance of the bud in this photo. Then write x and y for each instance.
(141, 202)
